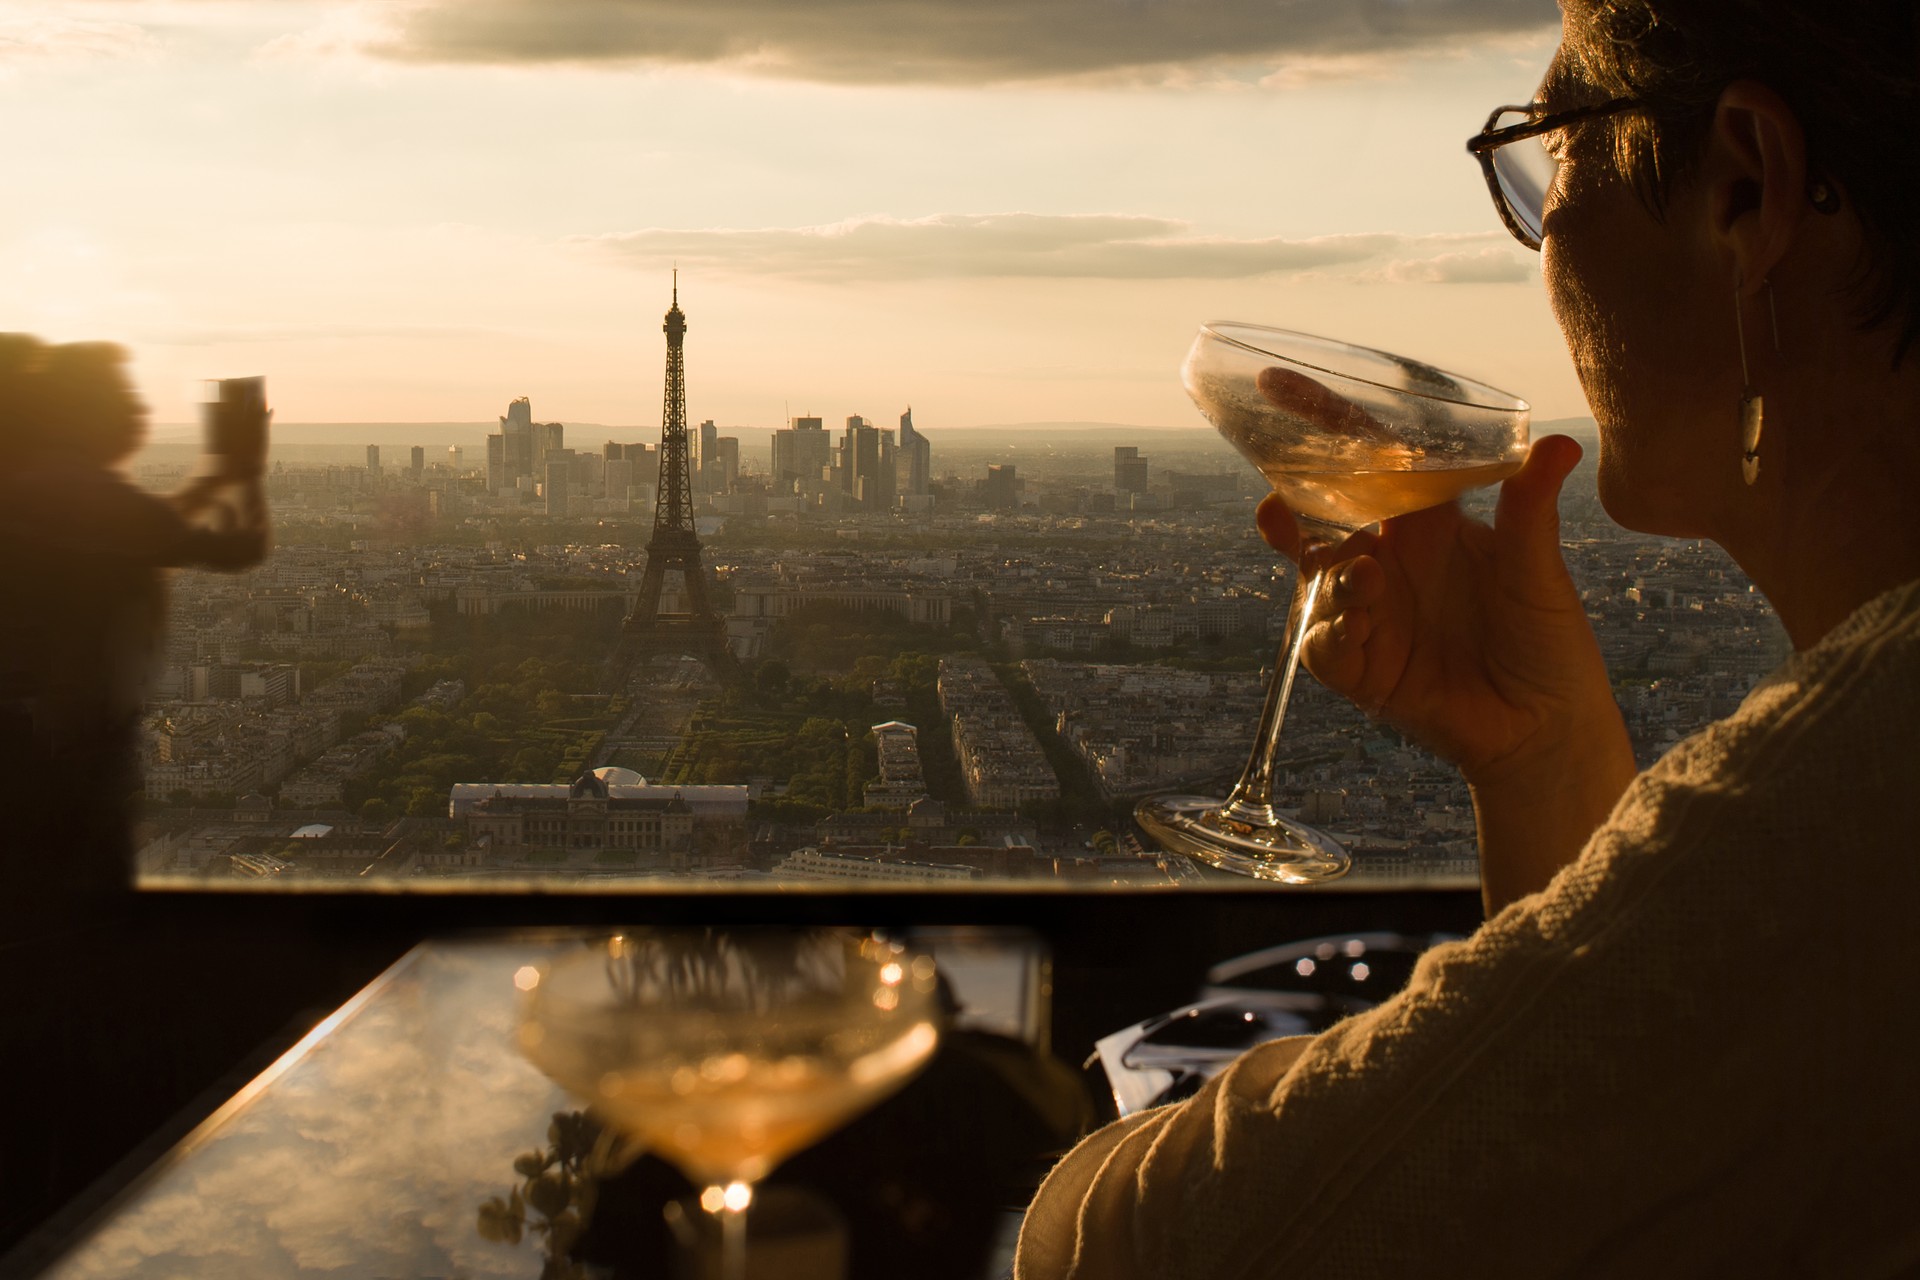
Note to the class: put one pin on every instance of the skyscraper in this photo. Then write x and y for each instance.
(548, 438)
(800, 454)
(556, 486)
(417, 463)
(703, 455)
(860, 469)
(497, 478)
(914, 462)
(1129, 470)
(619, 478)
(373, 459)
(514, 449)
(1002, 489)
(725, 465)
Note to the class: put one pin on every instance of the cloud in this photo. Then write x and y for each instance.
(37, 39)
(1042, 246)
(1482, 266)
(951, 42)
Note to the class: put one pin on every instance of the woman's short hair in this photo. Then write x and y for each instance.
(1847, 69)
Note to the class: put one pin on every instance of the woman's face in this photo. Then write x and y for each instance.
(1648, 320)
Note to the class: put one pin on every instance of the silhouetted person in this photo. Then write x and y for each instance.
(92, 1037)
(85, 550)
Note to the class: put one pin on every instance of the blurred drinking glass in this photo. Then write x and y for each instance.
(724, 1052)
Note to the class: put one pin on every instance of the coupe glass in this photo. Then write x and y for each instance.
(1348, 436)
(724, 1052)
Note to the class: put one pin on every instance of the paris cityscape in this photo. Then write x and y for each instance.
(860, 656)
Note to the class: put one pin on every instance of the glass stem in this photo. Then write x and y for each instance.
(733, 1244)
(1252, 797)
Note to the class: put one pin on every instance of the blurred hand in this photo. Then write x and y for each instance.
(196, 495)
(1470, 639)
(238, 534)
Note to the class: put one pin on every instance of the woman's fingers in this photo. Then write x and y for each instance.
(1282, 533)
(1278, 526)
(1330, 412)
(1355, 583)
(1335, 651)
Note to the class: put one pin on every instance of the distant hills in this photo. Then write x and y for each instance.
(344, 442)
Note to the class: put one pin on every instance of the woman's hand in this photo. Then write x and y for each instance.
(1472, 640)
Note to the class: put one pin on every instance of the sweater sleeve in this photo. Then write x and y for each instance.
(1084, 1222)
(1670, 1061)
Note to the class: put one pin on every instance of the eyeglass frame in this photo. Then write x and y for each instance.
(1491, 139)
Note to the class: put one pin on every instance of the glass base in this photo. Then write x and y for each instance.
(1264, 845)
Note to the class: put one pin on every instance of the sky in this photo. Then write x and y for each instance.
(997, 211)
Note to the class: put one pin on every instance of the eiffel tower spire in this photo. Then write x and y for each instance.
(675, 543)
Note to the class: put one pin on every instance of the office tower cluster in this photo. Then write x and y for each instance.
(531, 463)
(518, 454)
(410, 493)
(868, 468)
(716, 460)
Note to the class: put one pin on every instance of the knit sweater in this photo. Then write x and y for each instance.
(1695, 1052)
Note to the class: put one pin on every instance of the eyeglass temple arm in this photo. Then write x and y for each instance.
(1492, 137)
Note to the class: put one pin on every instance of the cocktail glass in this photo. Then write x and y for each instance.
(724, 1052)
(1348, 436)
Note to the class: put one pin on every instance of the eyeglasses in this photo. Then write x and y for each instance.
(1520, 176)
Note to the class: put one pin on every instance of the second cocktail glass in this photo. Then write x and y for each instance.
(726, 1051)
(1348, 436)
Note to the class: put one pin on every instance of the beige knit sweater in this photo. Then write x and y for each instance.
(1695, 1053)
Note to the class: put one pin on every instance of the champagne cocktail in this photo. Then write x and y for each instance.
(1347, 436)
(724, 1052)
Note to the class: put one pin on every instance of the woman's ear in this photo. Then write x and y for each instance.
(1754, 167)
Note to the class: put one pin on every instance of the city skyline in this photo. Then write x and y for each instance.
(418, 212)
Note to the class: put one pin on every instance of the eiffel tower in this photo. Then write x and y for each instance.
(675, 543)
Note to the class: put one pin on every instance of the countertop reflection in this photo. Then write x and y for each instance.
(368, 1149)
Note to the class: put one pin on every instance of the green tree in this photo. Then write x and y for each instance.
(534, 764)
(772, 677)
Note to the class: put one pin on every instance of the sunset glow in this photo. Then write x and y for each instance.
(419, 211)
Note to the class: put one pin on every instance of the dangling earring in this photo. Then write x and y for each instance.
(1752, 403)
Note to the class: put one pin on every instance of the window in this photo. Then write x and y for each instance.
(977, 572)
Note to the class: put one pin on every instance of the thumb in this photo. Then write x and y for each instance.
(1527, 518)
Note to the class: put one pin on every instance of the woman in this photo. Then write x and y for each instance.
(1683, 1042)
